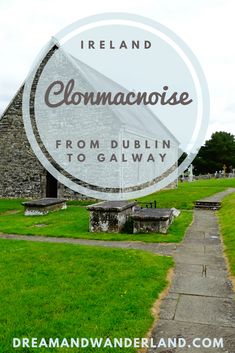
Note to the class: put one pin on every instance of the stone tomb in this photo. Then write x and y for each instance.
(110, 216)
(207, 205)
(152, 220)
(43, 206)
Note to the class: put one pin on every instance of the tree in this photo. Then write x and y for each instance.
(217, 152)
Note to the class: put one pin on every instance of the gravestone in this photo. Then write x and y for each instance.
(110, 216)
(190, 173)
(152, 220)
(43, 206)
(207, 204)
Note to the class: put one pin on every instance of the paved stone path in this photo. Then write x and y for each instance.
(200, 300)
(157, 248)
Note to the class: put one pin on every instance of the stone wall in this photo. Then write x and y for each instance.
(21, 173)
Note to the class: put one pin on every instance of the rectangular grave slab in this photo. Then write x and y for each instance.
(152, 220)
(110, 216)
(43, 206)
(207, 205)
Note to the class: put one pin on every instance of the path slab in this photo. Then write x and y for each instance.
(190, 331)
(195, 259)
(198, 284)
(212, 270)
(206, 310)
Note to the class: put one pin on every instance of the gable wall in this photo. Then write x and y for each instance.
(21, 174)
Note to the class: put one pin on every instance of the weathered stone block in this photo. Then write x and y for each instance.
(43, 206)
(152, 220)
(110, 216)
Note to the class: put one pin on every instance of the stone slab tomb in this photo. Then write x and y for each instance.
(43, 206)
(110, 216)
(152, 220)
(207, 205)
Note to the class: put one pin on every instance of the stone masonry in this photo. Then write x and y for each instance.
(21, 174)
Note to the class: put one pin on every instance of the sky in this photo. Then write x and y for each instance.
(207, 26)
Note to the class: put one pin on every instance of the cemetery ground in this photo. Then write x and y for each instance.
(61, 290)
(74, 221)
(66, 290)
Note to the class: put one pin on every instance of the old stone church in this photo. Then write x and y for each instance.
(21, 173)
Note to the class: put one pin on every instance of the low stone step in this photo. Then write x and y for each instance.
(207, 205)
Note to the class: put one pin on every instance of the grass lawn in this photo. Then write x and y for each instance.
(227, 226)
(184, 196)
(61, 290)
(73, 222)
(187, 193)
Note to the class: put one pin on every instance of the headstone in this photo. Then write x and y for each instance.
(190, 173)
(110, 216)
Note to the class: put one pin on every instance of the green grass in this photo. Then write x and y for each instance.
(227, 226)
(73, 222)
(10, 204)
(184, 196)
(60, 290)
